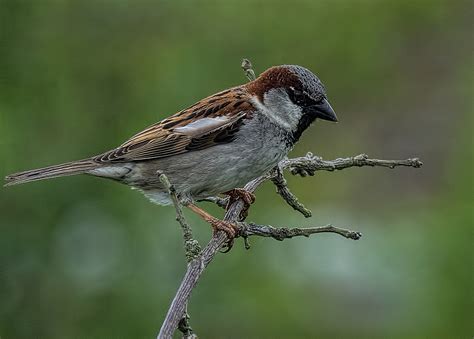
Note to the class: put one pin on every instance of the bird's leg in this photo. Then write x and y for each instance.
(217, 225)
(239, 193)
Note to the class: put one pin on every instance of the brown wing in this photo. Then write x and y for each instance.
(211, 121)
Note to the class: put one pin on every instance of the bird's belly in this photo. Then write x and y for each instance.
(207, 172)
(223, 173)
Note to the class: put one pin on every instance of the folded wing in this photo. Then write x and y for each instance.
(199, 127)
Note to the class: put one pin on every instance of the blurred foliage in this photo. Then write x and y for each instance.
(82, 257)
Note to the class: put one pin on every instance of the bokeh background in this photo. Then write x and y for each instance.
(87, 258)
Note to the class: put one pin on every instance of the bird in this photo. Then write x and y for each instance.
(214, 146)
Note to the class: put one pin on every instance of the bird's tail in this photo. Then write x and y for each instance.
(69, 168)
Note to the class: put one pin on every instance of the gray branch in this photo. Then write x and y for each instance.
(309, 165)
(284, 191)
(221, 202)
(282, 233)
(191, 249)
(248, 69)
(191, 246)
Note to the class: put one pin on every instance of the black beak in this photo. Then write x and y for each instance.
(323, 110)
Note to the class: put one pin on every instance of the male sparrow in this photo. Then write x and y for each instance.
(214, 146)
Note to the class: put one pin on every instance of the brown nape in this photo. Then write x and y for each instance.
(274, 77)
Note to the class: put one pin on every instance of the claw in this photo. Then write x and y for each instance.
(229, 228)
(221, 225)
(239, 193)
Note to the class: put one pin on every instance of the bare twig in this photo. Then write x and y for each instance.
(282, 188)
(221, 202)
(282, 233)
(191, 246)
(248, 69)
(310, 163)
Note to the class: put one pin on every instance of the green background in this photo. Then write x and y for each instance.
(82, 257)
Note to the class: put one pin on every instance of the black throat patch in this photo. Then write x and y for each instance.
(305, 121)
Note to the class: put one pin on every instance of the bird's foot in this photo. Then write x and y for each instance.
(231, 229)
(247, 197)
(220, 225)
(241, 193)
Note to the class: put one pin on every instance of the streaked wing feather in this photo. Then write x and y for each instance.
(208, 123)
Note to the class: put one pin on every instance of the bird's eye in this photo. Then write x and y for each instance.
(297, 96)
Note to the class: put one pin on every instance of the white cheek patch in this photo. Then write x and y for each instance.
(202, 125)
(278, 107)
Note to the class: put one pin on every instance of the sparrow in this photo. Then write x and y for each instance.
(214, 146)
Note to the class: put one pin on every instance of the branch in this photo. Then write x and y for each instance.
(221, 202)
(198, 265)
(282, 233)
(309, 164)
(191, 249)
(282, 189)
(248, 69)
(191, 246)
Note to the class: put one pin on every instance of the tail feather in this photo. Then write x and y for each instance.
(69, 168)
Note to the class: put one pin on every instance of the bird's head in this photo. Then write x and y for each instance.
(292, 96)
